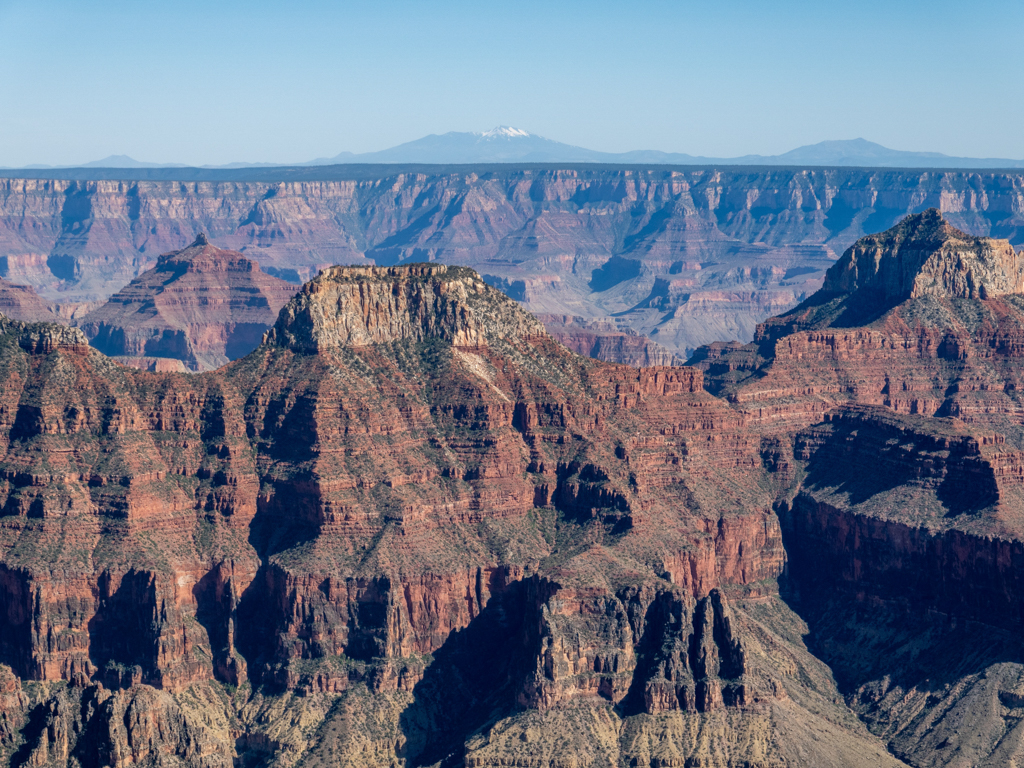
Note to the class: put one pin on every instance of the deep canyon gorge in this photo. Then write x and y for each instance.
(413, 528)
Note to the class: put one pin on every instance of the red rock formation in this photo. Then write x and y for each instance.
(877, 344)
(201, 305)
(897, 389)
(411, 526)
(155, 364)
(926, 256)
(409, 468)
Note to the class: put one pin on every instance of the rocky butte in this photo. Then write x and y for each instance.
(412, 529)
(409, 528)
(200, 305)
(895, 393)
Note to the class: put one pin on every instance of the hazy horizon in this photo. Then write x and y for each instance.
(199, 85)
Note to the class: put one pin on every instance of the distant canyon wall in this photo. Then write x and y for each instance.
(684, 257)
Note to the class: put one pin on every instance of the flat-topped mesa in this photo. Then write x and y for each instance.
(361, 306)
(924, 255)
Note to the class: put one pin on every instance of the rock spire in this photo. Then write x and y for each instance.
(924, 255)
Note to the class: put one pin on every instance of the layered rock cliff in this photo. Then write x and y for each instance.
(926, 256)
(607, 340)
(898, 386)
(687, 256)
(200, 305)
(409, 528)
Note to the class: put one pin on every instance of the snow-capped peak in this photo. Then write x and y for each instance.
(504, 132)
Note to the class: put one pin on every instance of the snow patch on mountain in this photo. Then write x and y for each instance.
(504, 132)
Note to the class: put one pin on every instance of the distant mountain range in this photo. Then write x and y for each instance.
(514, 145)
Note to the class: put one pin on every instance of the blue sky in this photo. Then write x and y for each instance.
(217, 82)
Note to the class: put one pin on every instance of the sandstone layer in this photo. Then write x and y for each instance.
(604, 339)
(412, 529)
(200, 305)
(687, 256)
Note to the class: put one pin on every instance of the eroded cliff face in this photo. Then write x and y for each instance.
(690, 256)
(605, 339)
(409, 528)
(412, 529)
(200, 305)
(898, 388)
(19, 302)
(926, 256)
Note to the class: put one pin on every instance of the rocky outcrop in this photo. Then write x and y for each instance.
(926, 256)
(684, 256)
(201, 305)
(891, 401)
(410, 528)
(358, 307)
(931, 354)
(136, 726)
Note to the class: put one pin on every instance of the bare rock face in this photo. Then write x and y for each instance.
(359, 306)
(605, 340)
(892, 398)
(685, 256)
(135, 726)
(412, 529)
(201, 305)
(925, 256)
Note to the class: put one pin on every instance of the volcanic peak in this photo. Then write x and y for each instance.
(924, 255)
(348, 306)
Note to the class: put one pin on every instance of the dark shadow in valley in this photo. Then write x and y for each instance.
(842, 466)
(616, 270)
(884, 633)
(259, 613)
(477, 676)
(124, 631)
(31, 735)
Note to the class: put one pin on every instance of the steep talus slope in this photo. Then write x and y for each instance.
(409, 529)
(201, 305)
(686, 256)
(900, 384)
